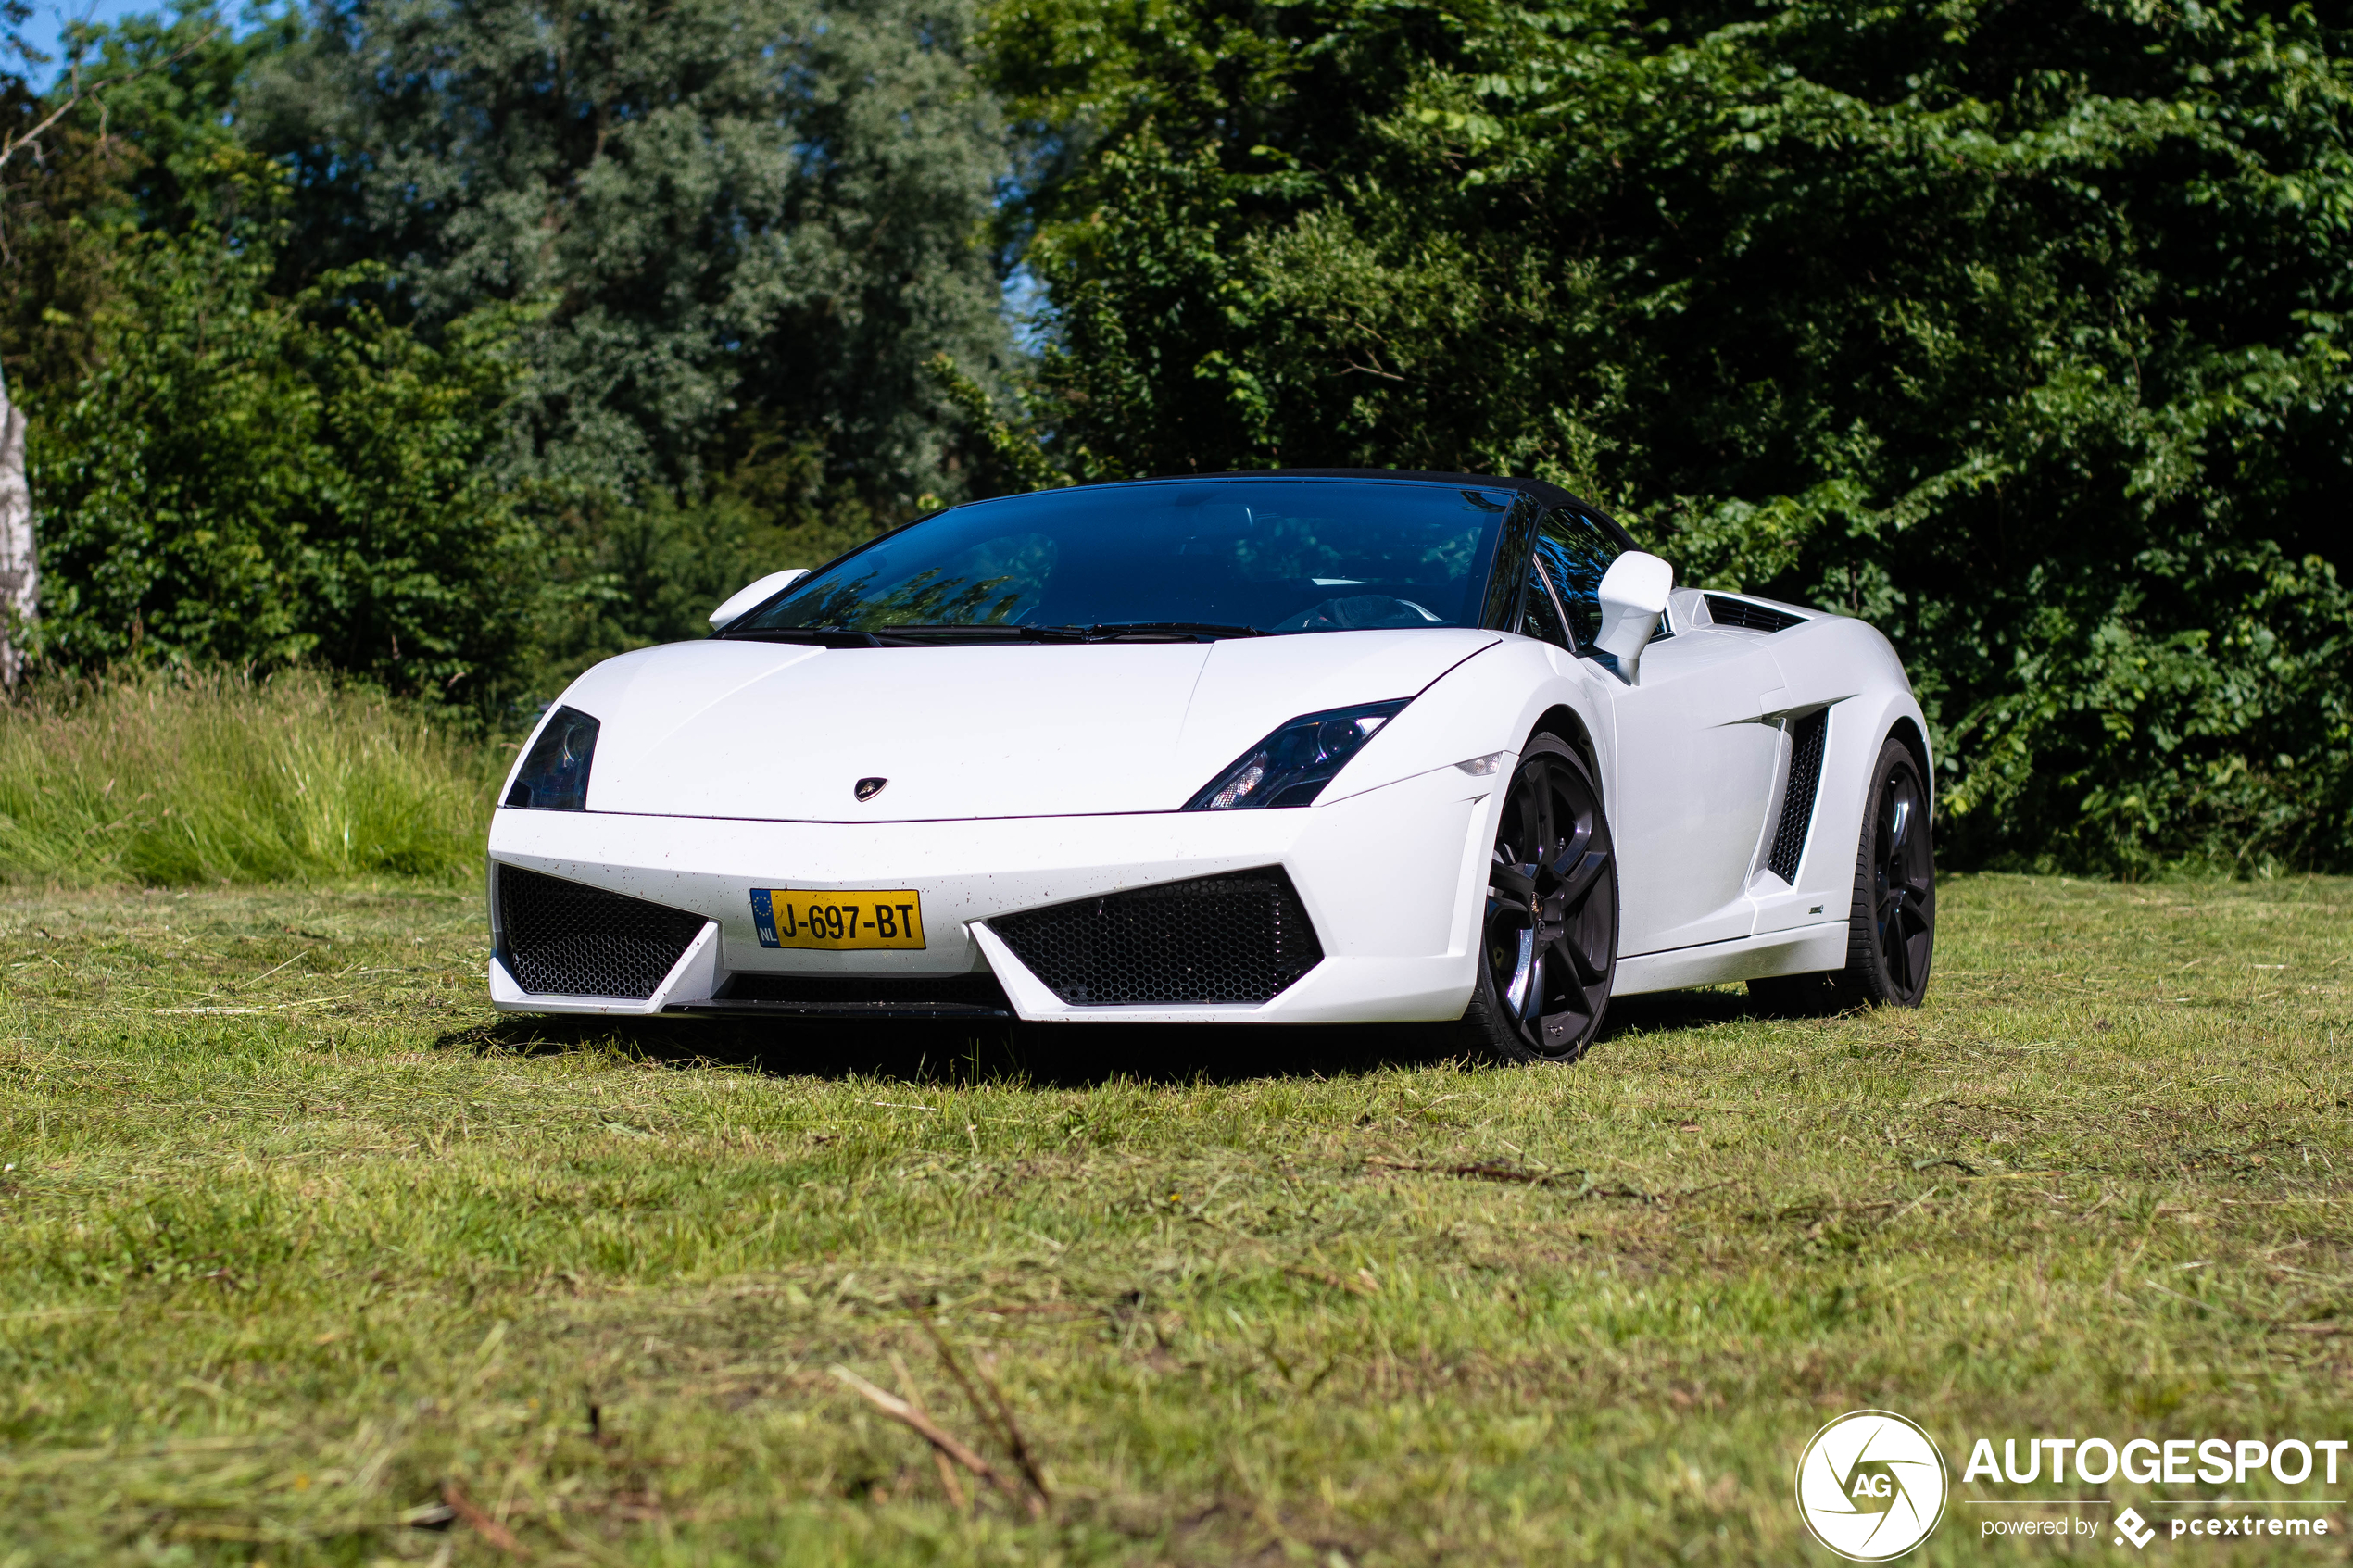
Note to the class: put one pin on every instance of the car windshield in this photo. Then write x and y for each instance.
(1177, 558)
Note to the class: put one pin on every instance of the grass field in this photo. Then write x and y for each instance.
(311, 1260)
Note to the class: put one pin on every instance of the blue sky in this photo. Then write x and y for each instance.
(47, 28)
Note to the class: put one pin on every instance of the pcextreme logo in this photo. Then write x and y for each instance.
(1871, 1486)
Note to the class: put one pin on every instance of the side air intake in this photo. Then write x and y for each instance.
(564, 939)
(1726, 611)
(1240, 937)
(1806, 737)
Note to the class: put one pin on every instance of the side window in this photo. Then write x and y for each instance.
(1508, 578)
(1574, 553)
(1540, 614)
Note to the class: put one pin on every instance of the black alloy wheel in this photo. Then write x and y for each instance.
(1891, 931)
(1549, 948)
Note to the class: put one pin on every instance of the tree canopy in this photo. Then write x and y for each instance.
(2017, 330)
(2014, 329)
(744, 221)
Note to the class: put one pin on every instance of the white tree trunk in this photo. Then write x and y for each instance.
(19, 561)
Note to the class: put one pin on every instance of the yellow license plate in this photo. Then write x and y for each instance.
(794, 917)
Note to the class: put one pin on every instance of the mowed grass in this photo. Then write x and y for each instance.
(301, 1240)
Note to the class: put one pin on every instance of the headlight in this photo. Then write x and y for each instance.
(1291, 766)
(555, 776)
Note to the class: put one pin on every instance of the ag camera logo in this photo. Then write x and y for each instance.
(1871, 1486)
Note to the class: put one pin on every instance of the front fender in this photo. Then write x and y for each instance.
(1488, 703)
(1852, 666)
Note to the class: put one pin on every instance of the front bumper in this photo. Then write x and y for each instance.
(1392, 879)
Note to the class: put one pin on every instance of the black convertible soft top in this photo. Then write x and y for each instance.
(1535, 489)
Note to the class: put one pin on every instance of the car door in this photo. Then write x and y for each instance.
(1694, 761)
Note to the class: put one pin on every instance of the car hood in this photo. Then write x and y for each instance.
(773, 731)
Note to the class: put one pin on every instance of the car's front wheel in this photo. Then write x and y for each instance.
(1548, 948)
(1892, 932)
(1892, 924)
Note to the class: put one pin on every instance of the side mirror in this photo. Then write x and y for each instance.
(744, 598)
(1633, 596)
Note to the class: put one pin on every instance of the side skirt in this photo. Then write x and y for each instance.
(1804, 950)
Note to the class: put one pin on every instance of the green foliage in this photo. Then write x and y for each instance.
(752, 222)
(56, 243)
(179, 77)
(157, 149)
(1017, 458)
(2017, 332)
(16, 49)
(259, 482)
(626, 577)
(716, 248)
(220, 778)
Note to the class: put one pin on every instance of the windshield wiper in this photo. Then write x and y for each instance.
(920, 633)
(1112, 630)
(983, 631)
(912, 636)
(821, 636)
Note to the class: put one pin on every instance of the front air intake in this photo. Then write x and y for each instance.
(565, 940)
(1240, 937)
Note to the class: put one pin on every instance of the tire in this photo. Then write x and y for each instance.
(1548, 947)
(1890, 933)
(1890, 928)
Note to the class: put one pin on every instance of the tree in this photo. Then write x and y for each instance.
(749, 225)
(19, 553)
(54, 176)
(256, 481)
(2015, 329)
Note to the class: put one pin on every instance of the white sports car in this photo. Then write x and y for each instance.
(1275, 747)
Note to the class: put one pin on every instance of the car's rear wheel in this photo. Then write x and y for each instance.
(1548, 950)
(1891, 935)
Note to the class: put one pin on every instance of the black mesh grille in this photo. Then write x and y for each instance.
(1754, 618)
(563, 939)
(1240, 937)
(1797, 801)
